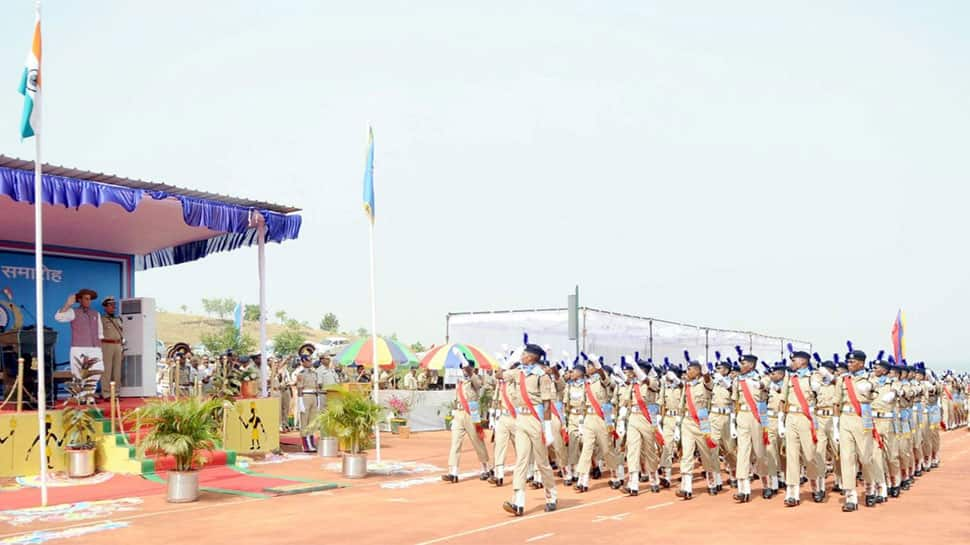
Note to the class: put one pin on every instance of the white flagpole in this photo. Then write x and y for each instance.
(39, 288)
(373, 325)
(263, 357)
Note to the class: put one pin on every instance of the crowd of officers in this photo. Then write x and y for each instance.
(782, 425)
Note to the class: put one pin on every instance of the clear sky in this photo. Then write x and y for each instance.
(794, 170)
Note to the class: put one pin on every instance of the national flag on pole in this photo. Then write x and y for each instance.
(30, 86)
(899, 342)
(369, 176)
(237, 315)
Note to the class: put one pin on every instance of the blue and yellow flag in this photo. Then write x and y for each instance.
(369, 177)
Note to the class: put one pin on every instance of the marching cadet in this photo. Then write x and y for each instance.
(856, 430)
(722, 410)
(919, 420)
(596, 433)
(695, 429)
(636, 426)
(776, 459)
(933, 400)
(574, 402)
(750, 423)
(671, 392)
(827, 420)
(532, 391)
(886, 456)
(307, 394)
(467, 421)
(800, 434)
(503, 424)
(925, 452)
(559, 433)
(904, 418)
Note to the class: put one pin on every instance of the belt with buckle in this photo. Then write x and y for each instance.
(309, 392)
(877, 414)
(824, 412)
(635, 409)
(720, 410)
(505, 412)
(847, 409)
(575, 411)
(672, 412)
(797, 409)
(772, 412)
(111, 341)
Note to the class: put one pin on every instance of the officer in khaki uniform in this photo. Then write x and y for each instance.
(796, 424)
(884, 407)
(574, 403)
(558, 448)
(307, 396)
(671, 392)
(467, 422)
(828, 401)
(636, 426)
(855, 430)
(904, 419)
(695, 430)
(112, 346)
(933, 399)
(722, 409)
(533, 428)
(596, 433)
(503, 424)
(750, 393)
(776, 460)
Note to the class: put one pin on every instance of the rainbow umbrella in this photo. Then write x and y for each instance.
(390, 353)
(444, 357)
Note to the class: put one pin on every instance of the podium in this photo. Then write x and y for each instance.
(22, 343)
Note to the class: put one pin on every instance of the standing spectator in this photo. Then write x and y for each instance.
(410, 380)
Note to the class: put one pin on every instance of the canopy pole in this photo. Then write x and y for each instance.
(373, 333)
(42, 432)
(261, 240)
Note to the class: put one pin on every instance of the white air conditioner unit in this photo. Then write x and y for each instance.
(139, 367)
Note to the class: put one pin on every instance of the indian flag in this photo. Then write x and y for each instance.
(30, 86)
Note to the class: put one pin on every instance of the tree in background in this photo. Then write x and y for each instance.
(228, 338)
(184, 309)
(362, 332)
(329, 322)
(218, 306)
(281, 316)
(251, 313)
(417, 347)
(288, 341)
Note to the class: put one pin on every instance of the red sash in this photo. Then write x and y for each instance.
(949, 394)
(803, 403)
(464, 404)
(753, 405)
(643, 409)
(527, 400)
(505, 398)
(854, 399)
(596, 407)
(562, 423)
(693, 414)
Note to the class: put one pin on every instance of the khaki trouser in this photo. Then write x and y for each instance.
(935, 441)
(667, 454)
(776, 460)
(827, 447)
(503, 434)
(595, 435)
(750, 441)
(113, 356)
(575, 431)
(691, 438)
(927, 438)
(800, 449)
(530, 448)
(558, 447)
(641, 445)
(904, 442)
(855, 449)
(461, 425)
(285, 405)
(308, 414)
(721, 434)
(886, 462)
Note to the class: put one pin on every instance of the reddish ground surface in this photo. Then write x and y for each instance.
(934, 511)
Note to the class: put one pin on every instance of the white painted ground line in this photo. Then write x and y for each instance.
(538, 537)
(658, 506)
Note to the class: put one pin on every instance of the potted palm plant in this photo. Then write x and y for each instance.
(355, 416)
(182, 429)
(79, 420)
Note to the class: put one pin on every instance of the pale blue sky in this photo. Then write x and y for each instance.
(796, 170)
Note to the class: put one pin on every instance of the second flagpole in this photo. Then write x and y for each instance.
(373, 326)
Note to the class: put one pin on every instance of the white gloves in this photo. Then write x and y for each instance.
(623, 413)
(621, 428)
(888, 397)
(835, 429)
(677, 434)
(734, 428)
(705, 370)
(781, 425)
(547, 432)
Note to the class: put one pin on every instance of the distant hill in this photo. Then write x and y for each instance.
(173, 327)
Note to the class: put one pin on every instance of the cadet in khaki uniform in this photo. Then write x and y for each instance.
(596, 433)
(828, 401)
(307, 395)
(750, 394)
(671, 392)
(855, 430)
(695, 429)
(533, 428)
(558, 447)
(904, 437)
(933, 399)
(722, 409)
(574, 403)
(503, 418)
(886, 455)
(797, 425)
(112, 346)
(467, 422)
(636, 425)
(776, 461)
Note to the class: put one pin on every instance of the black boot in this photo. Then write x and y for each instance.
(742, 498)
(664, 482)
(818, 496)
(870, 500)
(616, 485)
(486, 475)
(596, 473)
(792, 502)
(683, 494)
(712, 490)
(630, 492)
(512, 508)
(849, 507)
(551, 506)
(449, 478)
(655, 488)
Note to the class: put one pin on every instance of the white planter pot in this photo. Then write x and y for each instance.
(328, 447)
(183, 486)
(80, 462)
(355, 466)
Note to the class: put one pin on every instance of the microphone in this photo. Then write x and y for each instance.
(29, 313)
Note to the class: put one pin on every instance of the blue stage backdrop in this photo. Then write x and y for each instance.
(66, 272)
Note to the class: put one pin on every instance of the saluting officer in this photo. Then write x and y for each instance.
(596, 433)
(776, 460)
(886, 455)
(695, 429)
(634, 400)
(574, 403)
(503, 418)
(722, 410)
(855, 430)
(671, 392)
(467, 422)
(307, 394)
(828, 401)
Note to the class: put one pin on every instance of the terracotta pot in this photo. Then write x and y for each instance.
(404, 432)
(249, 388)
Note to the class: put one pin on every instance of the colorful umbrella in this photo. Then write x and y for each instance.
(389, 354)
(444, 357)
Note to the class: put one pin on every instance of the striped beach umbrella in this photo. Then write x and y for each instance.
(390, 353)
(444, 357)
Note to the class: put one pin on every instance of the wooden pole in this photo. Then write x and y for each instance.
(178, 379)
(20, 385)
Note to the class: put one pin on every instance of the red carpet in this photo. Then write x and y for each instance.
(119, 486)
(228, 478)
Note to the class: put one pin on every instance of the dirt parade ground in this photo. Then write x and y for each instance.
(409, 504)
